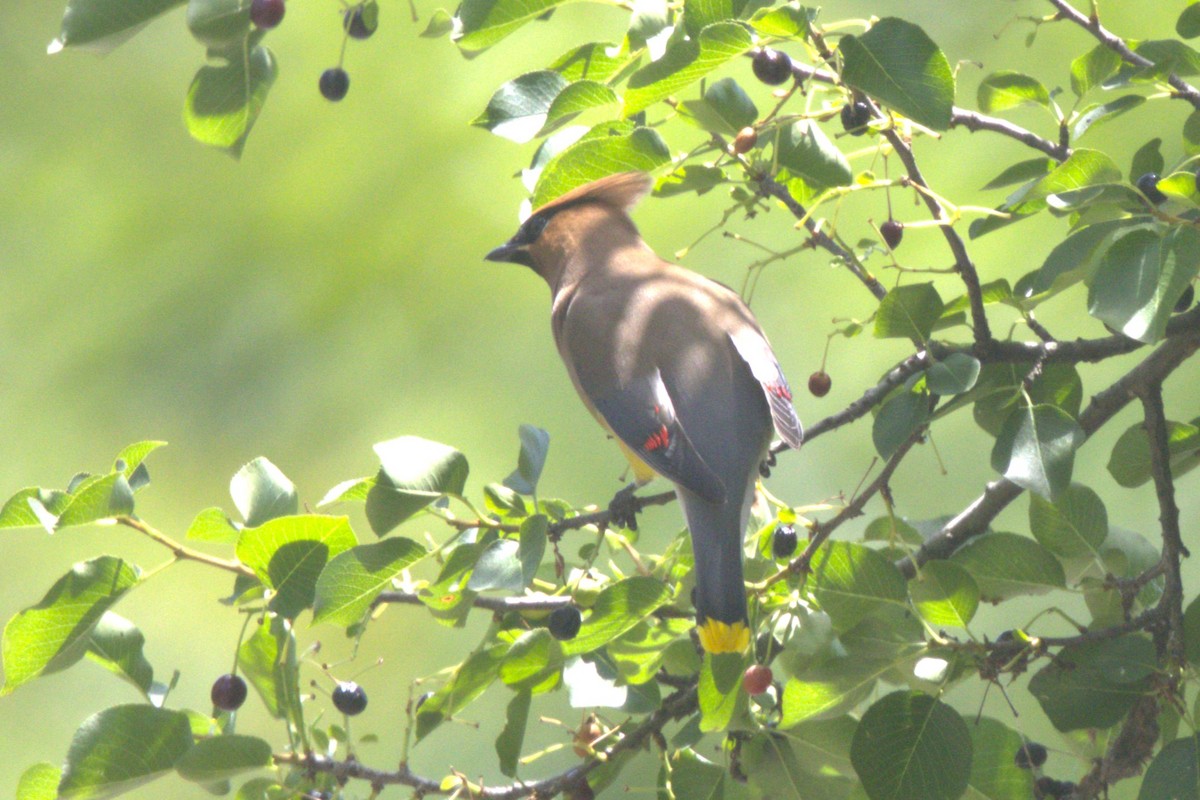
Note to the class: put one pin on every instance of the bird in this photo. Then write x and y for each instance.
(674, 366)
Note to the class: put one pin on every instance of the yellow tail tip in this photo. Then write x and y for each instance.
(724, 637)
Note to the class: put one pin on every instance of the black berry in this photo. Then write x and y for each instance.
(1148, 185)
(757, 678)
(745, 140)
(892, 232)
(1185, 300)
(335, 82)
(564, 622)
(228, 692)
(784, 541)
(1030, 755)
(1050, 789)
(361, 20)
(349, 698)
(819, 383)
(855, 117)
(266, 13)
(772, 67)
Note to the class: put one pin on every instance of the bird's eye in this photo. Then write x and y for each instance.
(532, 229)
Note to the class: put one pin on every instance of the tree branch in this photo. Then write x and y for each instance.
(974, 122)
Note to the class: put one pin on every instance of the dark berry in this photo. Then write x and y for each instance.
(228, 692)
(1050, 789)
(1185, 300)
(745, 140)
(361, 20)
(893, 233)
(757, 678)
(266, 13)
(1007, 636)
(784, 541)
(772, 67)
(1030, 755)
(564, 622)
(585, 737)
(855, 117)
(819, 383)
(335, 82)
(349, 698)
(1148, 185)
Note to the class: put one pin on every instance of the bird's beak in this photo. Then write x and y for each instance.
(512, 253)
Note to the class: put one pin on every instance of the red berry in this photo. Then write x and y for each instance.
(757, 678)
(228, 692)
(772, 67)
(893, 233)
(819, 383)
(334, 84)
(745, 140)
(266, 13)
(349, 698)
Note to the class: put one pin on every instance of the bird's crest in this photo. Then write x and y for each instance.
(621, 191)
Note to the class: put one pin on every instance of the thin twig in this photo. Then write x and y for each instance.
(182, 552)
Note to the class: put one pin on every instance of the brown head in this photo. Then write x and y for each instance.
(581, 228)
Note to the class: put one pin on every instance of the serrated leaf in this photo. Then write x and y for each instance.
(1006, 89)
(485, 22)
(351, 580)
(598, 154)
(55, 633)
(1129, 463)
(1006, 565)
(908, 312)
(1103, 112)
(116, 644)
(224, 101)
(1075, 524)
(945, 594)
(618, 608)
(809, 154)
(720, 690)
(211, 525)
(267, 660)
(788, 21)
(595, 61)
(39, 782)
(497, 568)
(724, 109)
(685, 62)
(348, 490)
(512, 736)
(1077, 689)
(220, 758)
(97, 498)
(122, 748)
(896, 63)
(1093, 68)
(1141, 277)
(518, 109)
(289, 553)
(902, 415)
(911, 746)
(532, 658)
(28, 508)
(954, 374)
(262, 492)
(851, 580)
(1035, 448)
(414, 473)
(1021, 172)
(469, 681)
(101, 25)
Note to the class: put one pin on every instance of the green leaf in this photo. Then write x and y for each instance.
(1188, 27)
(896, 63)
(1083, 168)
(1075, 258)
(1006, 565)
(532, 658)
(289, 553)
(55, 633)
(1129, 463)
(901, 416)
(348, 490)
(910, 746)
(834, 688)
(595, 61)
(578, 97)
(122, 748)
(685, 62)
(485, 22)
(97, 498)
(1175, 771)
(440, 24)
(535, 443)
(597, 155)
(697, 14)
(1103, 112)
(1093, 68)
(219, 24)
(1005, 89)
(1036, 449)
(220, 758)
(773, 771)
(808, 153)
(618, 608)
(788, 21)
(851, 580)
(725, 108)
(497, 568)
(518, 109)
(1088, 686)
(954, 374)
(1191, 630)
(262, 492)
(268, 663)
(994, 775)
(117, 645)
(1002, 392)
(691, 776)
(908, 312)
(1021, 172)
(39, 782)
(720, 690)
(1141, 277)
(211, 525)
(533, 540)
(1148, 158)
(352, 579)
(103, 24)
(18, 511)
(512, 737)
(640, 651)
(469, 681)
(224, 101)
(414, 473)
(944, 593)
(1075, 524)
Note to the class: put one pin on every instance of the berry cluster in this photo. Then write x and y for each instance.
(359, 21)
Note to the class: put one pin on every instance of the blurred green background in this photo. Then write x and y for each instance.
(327, 292)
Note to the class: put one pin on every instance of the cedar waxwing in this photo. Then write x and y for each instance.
(671, 363)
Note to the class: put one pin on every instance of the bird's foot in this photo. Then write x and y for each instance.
(623, 508)
(764, 466)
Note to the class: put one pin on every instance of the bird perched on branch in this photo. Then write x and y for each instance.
(671, 363)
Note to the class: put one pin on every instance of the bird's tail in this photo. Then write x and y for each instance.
(720, 596)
